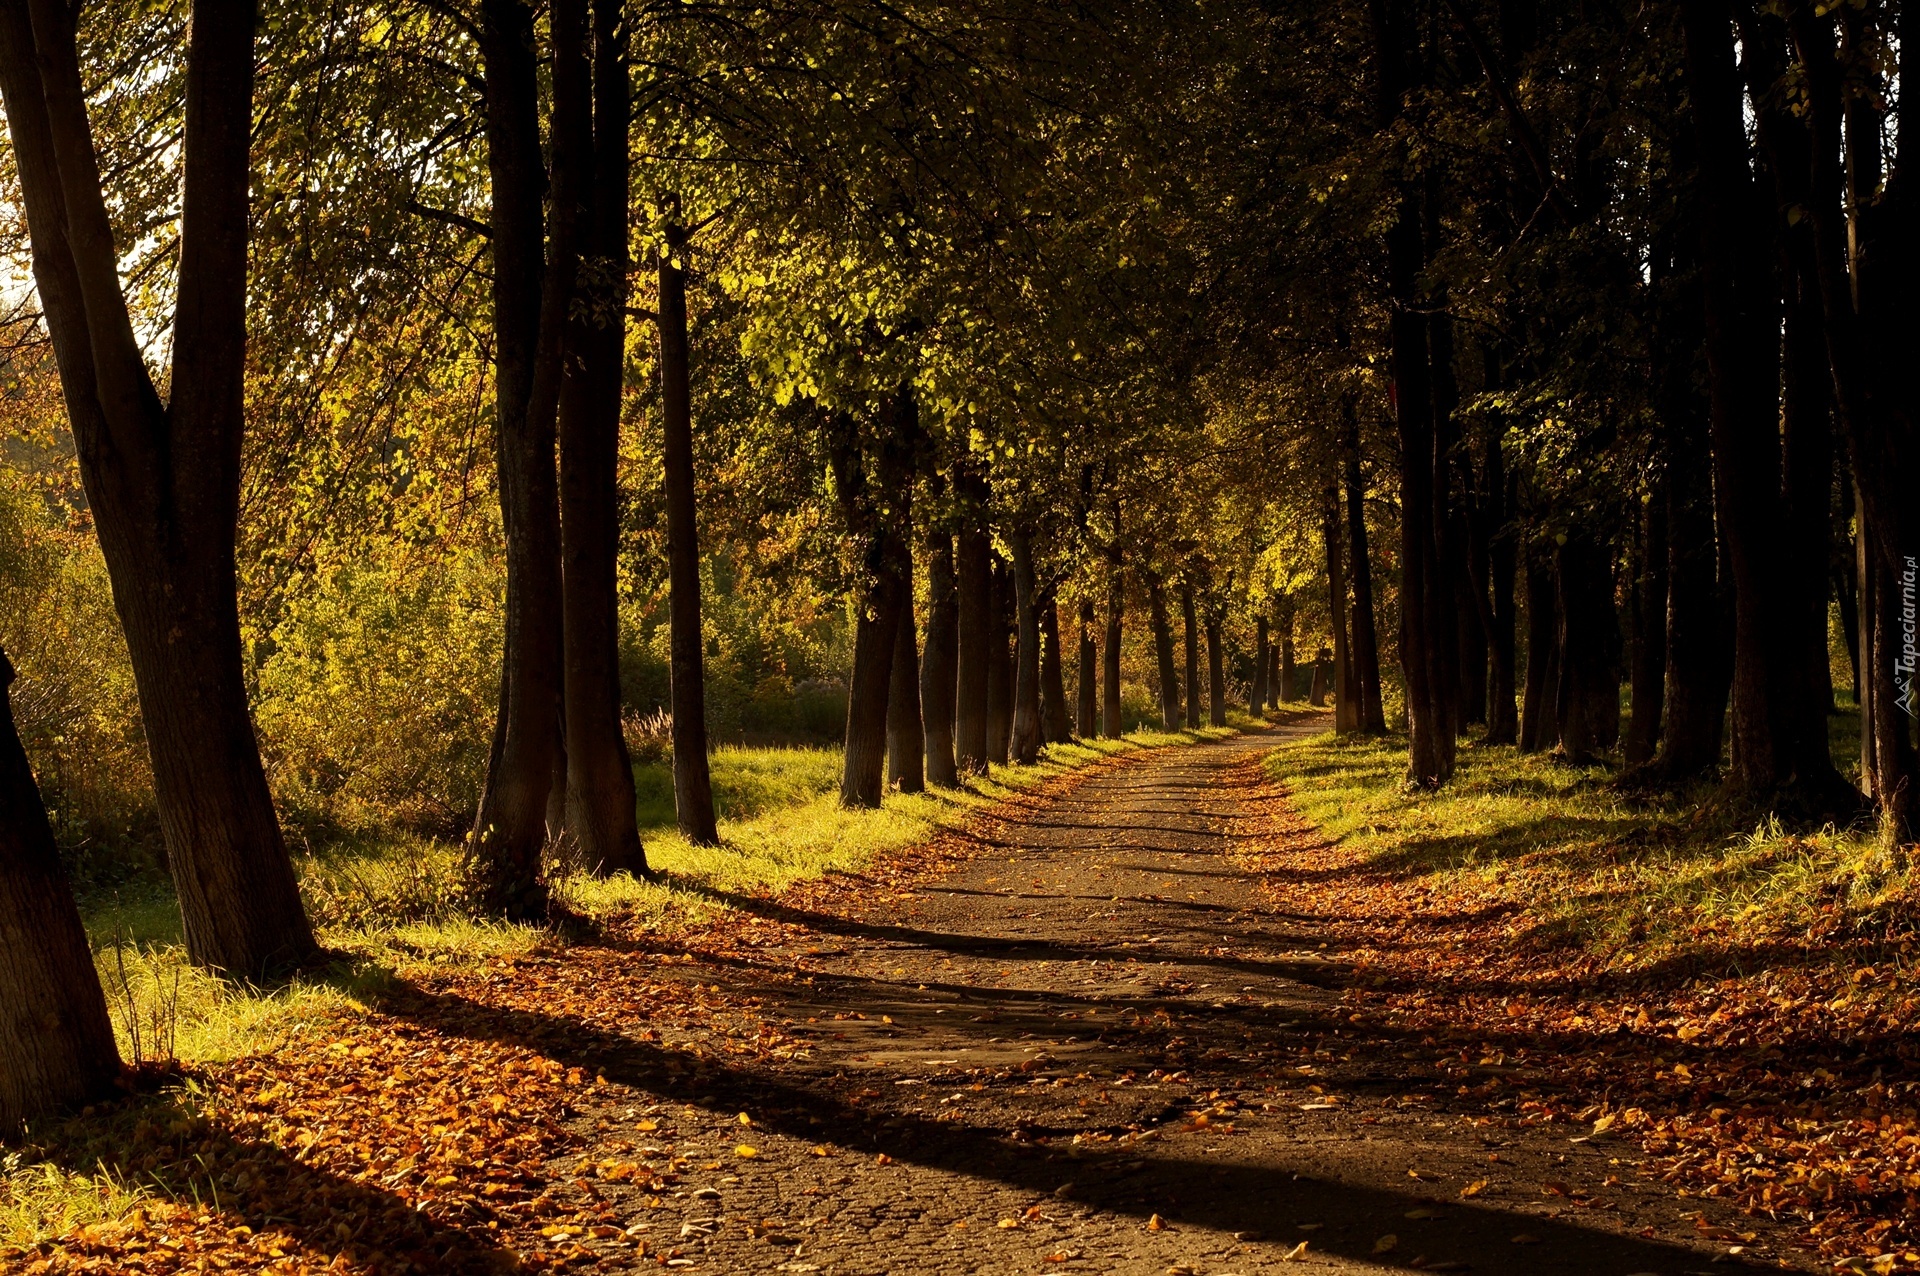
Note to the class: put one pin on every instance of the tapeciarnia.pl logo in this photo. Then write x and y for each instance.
(1909, 657)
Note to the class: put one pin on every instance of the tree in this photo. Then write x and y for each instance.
(56, 1042)
(163, 478)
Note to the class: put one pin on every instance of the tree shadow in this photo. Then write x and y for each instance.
(1131, 1180)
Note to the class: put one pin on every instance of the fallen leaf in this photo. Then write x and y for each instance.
(745, 1151)
(1386, 1244)
(1156, 1224)
(1474, 1188)
(883, 1159)
(1297, 1254)
(1423, 1213)
(1526, 1238)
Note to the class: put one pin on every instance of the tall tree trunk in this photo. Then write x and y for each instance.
(1112, 726)
(881, 526)
(1503, 723)
(1163, 654)
(600, 813)
(906, 733)
(1000, 672)
(1649, 659)
(692, 781)
(163, 481)
(1366, 641)
(534, 275)
(940, 668)
(1345, 717)
(1029, 729)
(1053, 687)
(1192, 623)
(1778, 738)
(1846, 582)
(975, 627)
(56, 1042)
(1257, 696)
(1283, 678)
(1539, 719)
(1088, 701)
(1216, 672)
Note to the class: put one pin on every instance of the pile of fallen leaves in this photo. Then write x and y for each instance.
(1775, 1069)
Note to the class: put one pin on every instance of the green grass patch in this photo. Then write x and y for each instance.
(1635, 879)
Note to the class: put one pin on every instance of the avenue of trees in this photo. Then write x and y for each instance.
(430, 375)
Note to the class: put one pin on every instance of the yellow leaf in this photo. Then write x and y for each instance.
(745, 1119)
(1156, 1224)
(1474, 1188)
(745, 1151)
(1386, 1244)
(647, 1127)
(1298, 1254)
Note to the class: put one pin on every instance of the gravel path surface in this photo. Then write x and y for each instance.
(1088, 1047)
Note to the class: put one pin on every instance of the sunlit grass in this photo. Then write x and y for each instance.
(1634, 878)
(39, 1200)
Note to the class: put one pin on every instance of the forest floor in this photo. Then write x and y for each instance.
(1143, 1019)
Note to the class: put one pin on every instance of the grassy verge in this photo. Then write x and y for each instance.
(1685, 877)
(392, 905)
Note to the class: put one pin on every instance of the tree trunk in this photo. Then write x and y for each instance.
(1539, 719)
(939, 670)
(1163, 655)
(534, 274)
(1846, 583)
(600, 815)
(1112, 727)
(906, 733)
(163, 481)
(974, 629)
(1366, 641)
(1317, 695)
(1216, 673)
(1088, 701)
(1192, 634)
(1699, 620)
(692, 782)
(1281, 673)
(1000, 672)
(1029, 729)
(1778, 737)
(1503, 723)
(56, 1042)
(1649, 660)
(878, 523)
(1053, 687)
(1257, 696)
(1345, 717)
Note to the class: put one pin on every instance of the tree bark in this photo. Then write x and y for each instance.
(1257, 695)
(1282, 676)
(1163, 655)
(1649, 659)
(879, 526)
(1366, 641)
(1053, 687)
(163, 481)
(1503, 723)
(906, 732)
(939, 670)
(1029, 728)
(1000, 671)
(692, 781)
(1112, 726)
(1539, 719)
(1216, 673)
(1345, 717)
(56, 1042)
(600, 813)
(1088, 699)
(1778, 738)
(1192, 635)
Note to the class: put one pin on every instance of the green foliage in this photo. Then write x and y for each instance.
(374, 700)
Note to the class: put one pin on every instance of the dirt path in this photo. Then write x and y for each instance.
(1088, 1048)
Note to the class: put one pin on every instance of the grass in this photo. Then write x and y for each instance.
(390, 904)
(1636, 880)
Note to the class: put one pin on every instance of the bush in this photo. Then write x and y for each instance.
(377, 699)
(75, 702)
